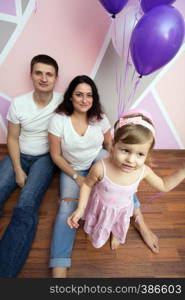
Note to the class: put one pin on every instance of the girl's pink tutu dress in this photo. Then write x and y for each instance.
(109, 209)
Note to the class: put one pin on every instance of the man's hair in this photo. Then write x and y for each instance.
(45, 59)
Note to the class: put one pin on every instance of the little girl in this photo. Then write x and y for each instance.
(112, 182)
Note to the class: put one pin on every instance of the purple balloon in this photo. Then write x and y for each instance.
(113, 6)
(156, 38)
(149, 4)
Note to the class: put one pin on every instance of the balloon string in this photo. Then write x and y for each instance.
(125, 101)
(35, 10)
(152, 198)
(116, 67)
(137, 16)
(132, 94)
(124, 78)
(123, 75)
(127, 63)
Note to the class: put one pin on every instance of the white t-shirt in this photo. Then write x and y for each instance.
(33, 139)
(79, 151)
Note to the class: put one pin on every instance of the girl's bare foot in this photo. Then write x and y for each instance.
(114, 242)
(59, 272)
(147, 235)
(150, 239)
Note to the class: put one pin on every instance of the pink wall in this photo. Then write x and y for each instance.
(74, 33)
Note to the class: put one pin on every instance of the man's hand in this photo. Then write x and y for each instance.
(20, 178)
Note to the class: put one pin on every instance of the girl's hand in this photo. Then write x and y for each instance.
(72, 221)
(80, 179)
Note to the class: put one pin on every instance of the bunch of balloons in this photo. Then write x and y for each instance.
(157, 36)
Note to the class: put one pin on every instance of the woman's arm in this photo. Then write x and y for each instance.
(56, 154)
(166, 183)
(94, 175)
(14, 151)
(107, 140)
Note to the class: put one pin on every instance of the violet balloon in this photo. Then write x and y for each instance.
(149, 4)
(156, 38)
(113, 6)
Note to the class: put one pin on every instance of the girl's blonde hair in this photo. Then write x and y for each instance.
(134, 133)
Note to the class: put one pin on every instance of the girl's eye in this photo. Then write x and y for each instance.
(141, 154)
(124, 150)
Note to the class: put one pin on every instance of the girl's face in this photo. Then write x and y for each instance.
(82, 98)
(130, 157)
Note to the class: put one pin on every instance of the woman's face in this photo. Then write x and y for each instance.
(82, 98)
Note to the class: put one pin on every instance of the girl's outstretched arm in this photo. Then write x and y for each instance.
(78, 213)
(166, 183)
(94, 175)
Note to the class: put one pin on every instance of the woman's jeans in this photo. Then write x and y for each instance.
(17, 239)
(64, 236)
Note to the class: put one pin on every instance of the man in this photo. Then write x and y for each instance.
(28, 164)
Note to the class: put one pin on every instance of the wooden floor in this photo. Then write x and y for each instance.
(165, 215)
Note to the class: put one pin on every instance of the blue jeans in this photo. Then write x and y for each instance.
(17, 239)
(63, 236)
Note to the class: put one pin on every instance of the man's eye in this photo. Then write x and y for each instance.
(49, 74)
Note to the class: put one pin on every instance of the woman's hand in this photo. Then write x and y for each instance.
(72, 221)
(80, 179)
(20, 178)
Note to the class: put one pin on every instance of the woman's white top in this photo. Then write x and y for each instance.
(79, 151)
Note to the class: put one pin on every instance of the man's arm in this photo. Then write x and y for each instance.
(14, 151)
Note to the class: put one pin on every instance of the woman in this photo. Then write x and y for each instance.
(77, 134)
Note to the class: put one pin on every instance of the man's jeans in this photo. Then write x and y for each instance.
(17, 239)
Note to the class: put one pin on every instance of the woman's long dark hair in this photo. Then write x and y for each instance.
(66, 106)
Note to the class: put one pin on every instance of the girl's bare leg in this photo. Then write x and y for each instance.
(147, 235)
(114, 242)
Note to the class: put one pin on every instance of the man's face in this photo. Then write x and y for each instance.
(43, 77)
